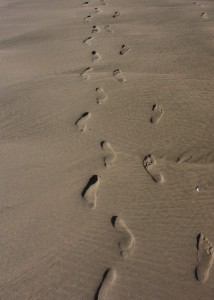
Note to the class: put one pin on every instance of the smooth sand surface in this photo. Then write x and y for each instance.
(143, 71)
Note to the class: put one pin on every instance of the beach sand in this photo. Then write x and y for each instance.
(106, 150)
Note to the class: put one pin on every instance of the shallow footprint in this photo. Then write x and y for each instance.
(88, 40)
(116, 14)
(108, 28)
(81, 122)
(84, 74)
(107, 281)
(119, 75)
(124, 49)
(101, 95)
(110, 155)
(150, 164)
(97, 10)
(95, 56)
(204, 16)
(157, 114)
(90, 191)
(95, 29)
(205, 258)
(102, 2)
(128, 240)
(88, 19)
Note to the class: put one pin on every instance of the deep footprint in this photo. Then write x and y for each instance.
(205, 258)
(157, 114)
(124, 49)
(128, 240)
(109, 278)
(150, 164)
(110, 155)
(88, 19)
(119, 75)
(101, 95)
(95, 56)
(95, 29)
(88, 40)
(81, 122)
(85, 74)
(90, 191)
(116, 14)
(108, 28)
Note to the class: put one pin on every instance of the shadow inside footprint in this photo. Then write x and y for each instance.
(96, 296)
(91, 182)
(113, 220)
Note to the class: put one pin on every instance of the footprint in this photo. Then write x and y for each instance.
(84, 74)
(110, 155)
(97, 10)
(124, 49)
(150, 164)
(204, 16)
(88, 19)
(205, 258)
(101, 95)
(95, 56)
(116, 14)
(108, 28)
(128, 240)
(197, 3)
(90, 191)
(119, 75)
(109, 278)
(85, 3)
(157, 114)
(102, 2)
(81, 122)
(88, 40)
(95, 29)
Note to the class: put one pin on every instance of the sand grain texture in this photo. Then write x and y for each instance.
(152, 74)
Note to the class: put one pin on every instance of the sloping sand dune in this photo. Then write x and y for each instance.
(106, 149)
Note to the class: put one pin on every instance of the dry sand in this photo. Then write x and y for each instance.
(106, 149)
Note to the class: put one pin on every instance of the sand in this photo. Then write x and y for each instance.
(106, 149)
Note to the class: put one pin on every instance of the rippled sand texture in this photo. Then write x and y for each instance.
(106, 149)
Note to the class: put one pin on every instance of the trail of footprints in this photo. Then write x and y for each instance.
(91, 190)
